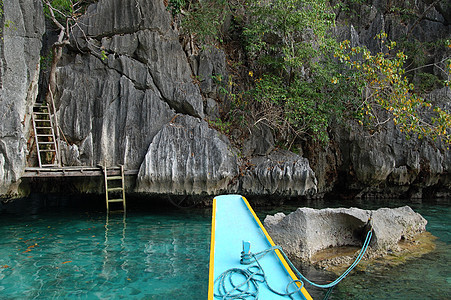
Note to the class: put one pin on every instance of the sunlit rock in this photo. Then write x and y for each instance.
(20, 44)
(188, 157)
(306, 231)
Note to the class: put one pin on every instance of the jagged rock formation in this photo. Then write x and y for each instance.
(280, 173)
(126, 81)
(22, 25)
(385, 163)
(306, 231)
(388, 164)
(188, 157)
(134, 90)
(112, 103)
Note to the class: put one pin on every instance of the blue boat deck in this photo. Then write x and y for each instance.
(233, 222)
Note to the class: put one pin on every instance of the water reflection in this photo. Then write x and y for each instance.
(114, 251)
(89, 255)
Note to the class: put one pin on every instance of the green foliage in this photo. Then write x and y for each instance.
(175, 6)
(289, 39)
(427, 82)
(387, 87)
(421, 60)
(307, 107)
(287, 33)
(297, 87)
(63, 8)
(46, 61)
(220, 125)
(204, 19)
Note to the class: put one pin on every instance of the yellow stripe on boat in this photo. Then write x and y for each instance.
(211, 279)
(234, 221)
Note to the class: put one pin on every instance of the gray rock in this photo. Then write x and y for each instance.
(19, 72)
(260, 142)
(211, 109)
(306, 231)
(387, 163)
(187, 157)
(212, 70)
(115, 17)
(279, 173)
(111, 119)
(110, 108)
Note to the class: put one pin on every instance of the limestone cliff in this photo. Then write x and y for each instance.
(386, 163)
(129, 94)
(22, 26)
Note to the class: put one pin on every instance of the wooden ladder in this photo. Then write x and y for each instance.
(114, 185)
(44, 135)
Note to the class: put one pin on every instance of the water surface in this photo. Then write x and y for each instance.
(53, 249)
(156, 254)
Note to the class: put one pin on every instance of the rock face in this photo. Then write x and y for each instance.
(129, 94)
(281, 173)
(128, 97)
(306, 231)
(188, 157)
(129, 79)
(22, 25)
(387, 164)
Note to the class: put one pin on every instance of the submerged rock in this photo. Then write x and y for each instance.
(306, 231)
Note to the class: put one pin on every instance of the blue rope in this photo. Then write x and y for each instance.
(248, 288)
(345, 273)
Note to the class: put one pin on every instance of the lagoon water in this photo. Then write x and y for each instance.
(53, 249)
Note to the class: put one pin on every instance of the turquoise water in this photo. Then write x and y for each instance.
(158, 254)
(53, 250)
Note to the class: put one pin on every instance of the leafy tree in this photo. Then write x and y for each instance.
(290, 41)
(287, 34)
(386, 87)
(202, 20)
(60, 12)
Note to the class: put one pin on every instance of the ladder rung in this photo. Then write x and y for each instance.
(46, 143)
(115, 189)
(49, 165)
(44, 127)
(40, 113)
(41, 120)
(42, 134)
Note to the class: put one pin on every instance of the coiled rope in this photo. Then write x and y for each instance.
(228, 287)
